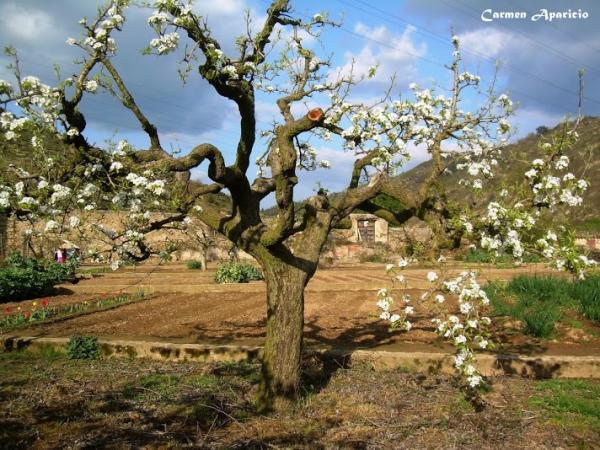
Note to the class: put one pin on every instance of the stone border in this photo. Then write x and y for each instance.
(142, 349)
(541, 367)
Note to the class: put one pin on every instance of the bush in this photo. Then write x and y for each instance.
(83, 347)
(376, 257)
(194, 265)
(235, 272)
(380, 253)
(25, 278)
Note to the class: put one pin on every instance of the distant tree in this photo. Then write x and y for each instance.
(204, 239)
(542, 130)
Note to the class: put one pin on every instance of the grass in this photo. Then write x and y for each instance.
(587, 292)
(569, 402)
(479, 256)
(590, 225)
(44, 353)
(540, 302)
(164, 387)
(156, 387)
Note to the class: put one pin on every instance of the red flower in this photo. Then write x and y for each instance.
(8, 310)
(44, 303)
(27, 314)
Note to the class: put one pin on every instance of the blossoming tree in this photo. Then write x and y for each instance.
(139, 181)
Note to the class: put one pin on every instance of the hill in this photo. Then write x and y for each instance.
(512, 166)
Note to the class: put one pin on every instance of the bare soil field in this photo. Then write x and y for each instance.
(340, 311)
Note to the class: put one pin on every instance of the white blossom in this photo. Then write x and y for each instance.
(432, 276)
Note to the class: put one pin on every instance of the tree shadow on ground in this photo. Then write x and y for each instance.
(134, 416)
(330, 348)
(333, 348)
(357, 335)
(351, 333)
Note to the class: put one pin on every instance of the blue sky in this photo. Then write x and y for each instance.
(539, 62)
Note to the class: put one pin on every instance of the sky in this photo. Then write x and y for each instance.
(538, 63)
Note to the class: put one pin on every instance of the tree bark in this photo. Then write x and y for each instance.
(283, 346)
(203, 258)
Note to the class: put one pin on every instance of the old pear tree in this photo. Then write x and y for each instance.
(272, 60)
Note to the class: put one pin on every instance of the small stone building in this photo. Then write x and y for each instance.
(368, 229)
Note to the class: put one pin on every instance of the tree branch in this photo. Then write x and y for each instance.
(129, 102)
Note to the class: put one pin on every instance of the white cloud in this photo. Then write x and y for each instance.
(487, 42)
(223, 7)
(395, 54)
(25, 23)
(334, 179)
(528, 119)
(267, 110)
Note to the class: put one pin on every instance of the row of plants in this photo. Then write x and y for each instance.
(37, 312)
(481, 256)
(540, 302)
(23, 278)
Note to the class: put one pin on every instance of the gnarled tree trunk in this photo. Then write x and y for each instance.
(285, 323)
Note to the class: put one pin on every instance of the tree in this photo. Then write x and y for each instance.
(542, 129)
(141, 181)
(203, 239)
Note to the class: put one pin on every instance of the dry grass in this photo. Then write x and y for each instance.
(47, 401)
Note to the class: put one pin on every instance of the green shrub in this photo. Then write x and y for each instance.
(376, 257)
(590, 225)
(497, 293)
(236, 272)
(478, 256)
(83, 347)
(536, 301)
(25, 278)
(538, 317)
(194, 265)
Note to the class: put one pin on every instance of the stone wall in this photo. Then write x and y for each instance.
(3, 236)
(589, 242)
(189, 248)
(345, 245)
